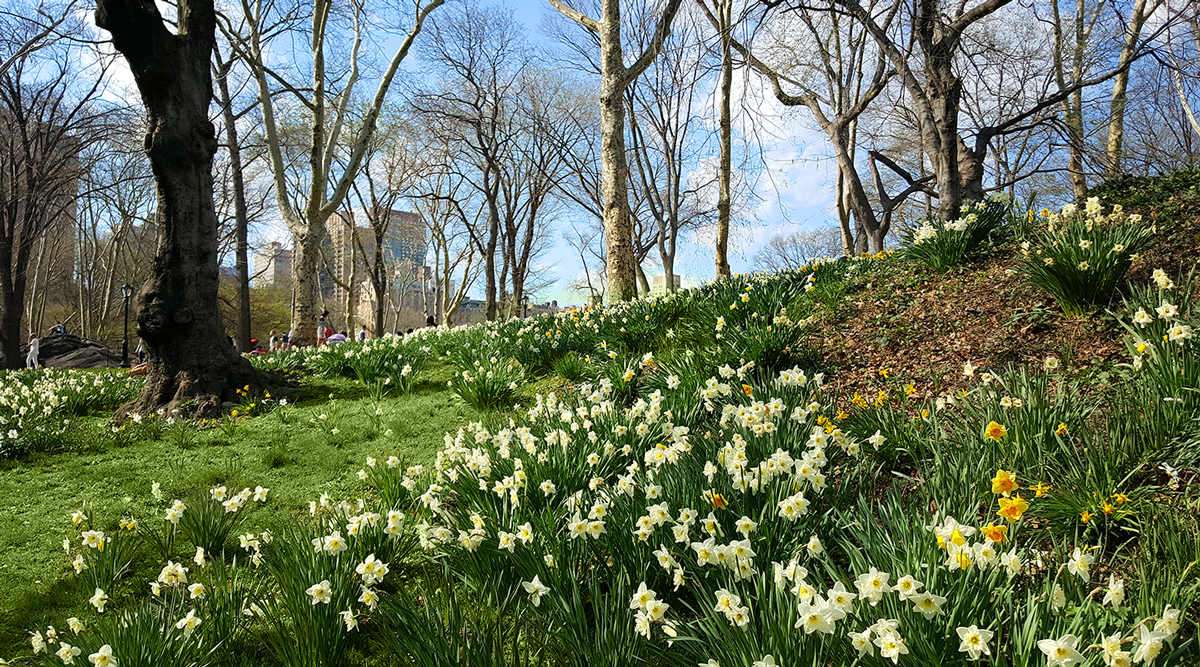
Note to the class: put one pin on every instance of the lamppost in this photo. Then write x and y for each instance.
(524, 305)
(126, 292)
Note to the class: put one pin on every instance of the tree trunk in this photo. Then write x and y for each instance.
(192, 368)
(944, 136)
(306, 262)
(1116, 122)
(380, 283)
(621, 266)
(620, 262)
(12, 290)
(725, 7)
(240, 216)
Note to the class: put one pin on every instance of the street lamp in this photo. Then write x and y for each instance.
(525, 305)
(126, 292)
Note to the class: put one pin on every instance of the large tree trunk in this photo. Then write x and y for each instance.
(621, 266)
(306, 262)
(725, 7)
(944, 136)
(192, 367)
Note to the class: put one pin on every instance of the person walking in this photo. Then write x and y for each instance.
(273, 341)
(362, 334)
(31, 360)
(321, 328)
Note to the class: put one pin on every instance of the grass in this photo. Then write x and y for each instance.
(889, 335)
(296, 460)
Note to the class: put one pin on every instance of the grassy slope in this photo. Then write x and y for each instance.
(899, 317)
(296, 461)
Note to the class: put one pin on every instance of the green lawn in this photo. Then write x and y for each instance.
(288, 451)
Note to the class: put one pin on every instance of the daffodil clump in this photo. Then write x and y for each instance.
(1083, 254)
(737, 536)
(942, 245)
(36, 407)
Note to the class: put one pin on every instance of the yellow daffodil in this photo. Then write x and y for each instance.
(1086, 516)
(1107, 508)
(747, 389)
(995, 431)
(1012, 508)
(1004, 482)
(1121, 498)
(1062, 429)
(994, 533)
(1039, 490)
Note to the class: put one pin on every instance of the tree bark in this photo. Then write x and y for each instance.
(620, 264)
(192, 367)
(725, 9)
(240, 216)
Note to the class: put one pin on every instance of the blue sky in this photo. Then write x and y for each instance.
(795, 193)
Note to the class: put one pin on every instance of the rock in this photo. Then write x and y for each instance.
(71, 351)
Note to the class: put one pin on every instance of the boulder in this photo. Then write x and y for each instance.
(71, 351)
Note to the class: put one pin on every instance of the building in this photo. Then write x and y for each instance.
(273, 266)
(351, 251)
(658, 284)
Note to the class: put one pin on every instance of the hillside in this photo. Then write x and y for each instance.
(825, 466)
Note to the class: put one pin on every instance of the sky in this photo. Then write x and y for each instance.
(794, 193)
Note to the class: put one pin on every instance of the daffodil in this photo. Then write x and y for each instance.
(1012, 508)
(974, 641)
(321, 593)
(994, 533)
(188, 623)
(1061, 652)
(995, 431)
(536, 590)
(1004, 482)
(103, 657)
(1079, 564)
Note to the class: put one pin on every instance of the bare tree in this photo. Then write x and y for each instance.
(798, 249)
(46, 123)
(445, 204)
(114, 221)
(307, 201)
(482, 56)
(26, 30)
(615, 77)
(668, 142)
(1131, 49)
(389, 171)
(836, 87)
